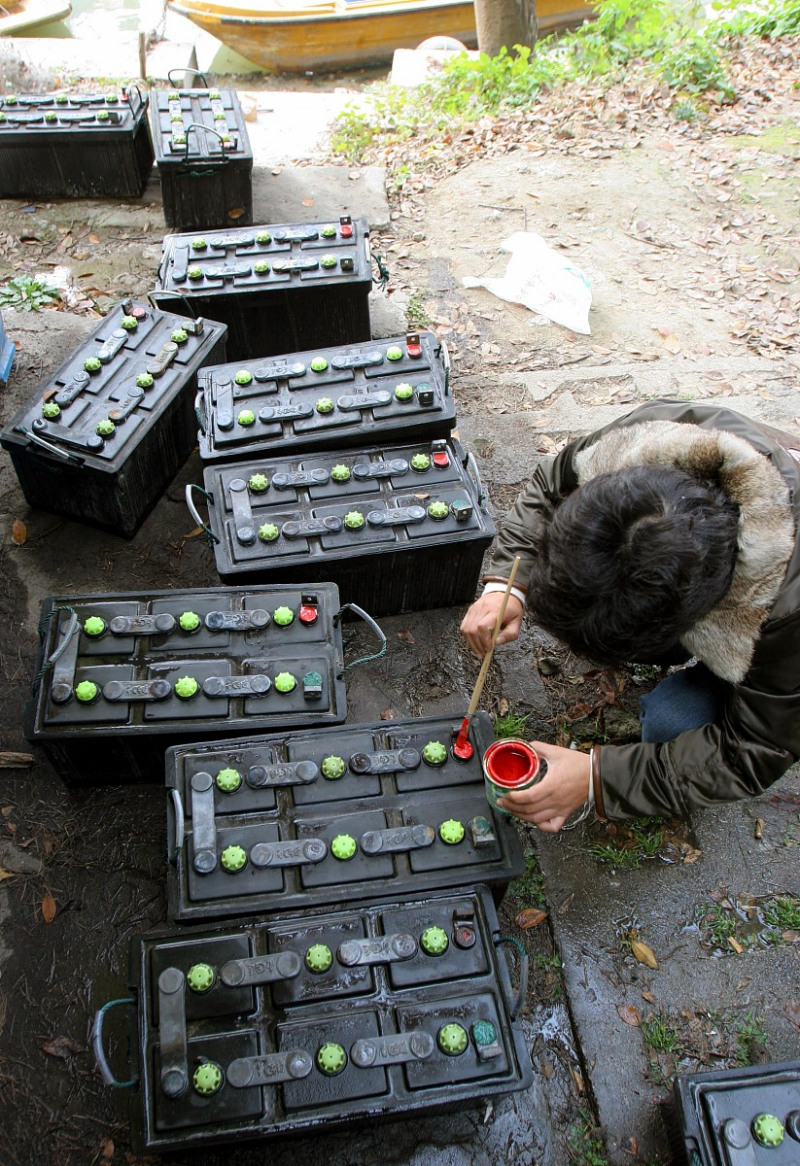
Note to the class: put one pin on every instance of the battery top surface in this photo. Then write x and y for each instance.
(93, 112)
(198, 124)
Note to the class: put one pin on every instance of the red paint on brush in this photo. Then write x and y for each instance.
(462, 747)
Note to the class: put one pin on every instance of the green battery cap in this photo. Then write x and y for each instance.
(261, 268)
(354, 520)
(435, 753)
(51, 410)
(214, 95)
(112, 98)
(258, 483)
(243, 377)
(328, 261)
(394, 352)
(283, 616)
(199, 244)
(144, 380)
(319, 364)
(103, 115)
(189, 621)
(452, 1039)
(434, 941)
(328, 231)
(92, 364)
(333, 767)
(420, 461)
(191, 272)
(246, 417)
(331, 1059)
(438, 509)
(178, 336)
(173, 95)
(319, 957)
(51, 115)
(768, 1129)
(268, 532)
(94, 626)
(340, 473)
(285, 682)
(484, 1033)
(200, 977)
(263, 237)
(324, 405)
(186, 687)
(233, 858)
(87, 691)
(343, 847)
(105, 427)
(404, 391)
(129, 323)
(207, 1079)
(451, 832)
(228, 780)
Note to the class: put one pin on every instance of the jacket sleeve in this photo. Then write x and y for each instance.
(756, 742)
(521, 530)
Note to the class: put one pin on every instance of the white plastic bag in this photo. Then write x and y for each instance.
(541, 279)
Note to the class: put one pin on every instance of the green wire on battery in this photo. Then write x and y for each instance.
(44, 624)
(383, 271)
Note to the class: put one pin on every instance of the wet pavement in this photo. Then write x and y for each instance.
(87, 865)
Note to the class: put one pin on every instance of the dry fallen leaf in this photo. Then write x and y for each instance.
(734, 943)
(10, 760)
(649, 997)
(5, 874)
(308, 202)
(407, 636)
(644, 953)
(758, 831)
(62, 1046)
(19, 532)
(503, 706)
(629, 1014)
(107, 1150)
(530, 917)
(48, 908)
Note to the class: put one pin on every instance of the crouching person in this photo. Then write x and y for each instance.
(669, 536)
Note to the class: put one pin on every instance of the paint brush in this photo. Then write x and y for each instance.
(462, 747)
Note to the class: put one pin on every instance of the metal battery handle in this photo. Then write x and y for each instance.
(142, 101)
(180, 826)
(367, 619)
(195, 125)
(98, 1049)
(168, 293)
(195, 72)
(446, 364)
(195, 514)
(48, 446)
(522, 990)
(200, 412)
(475, 474)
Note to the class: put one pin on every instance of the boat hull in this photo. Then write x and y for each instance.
(324, 40)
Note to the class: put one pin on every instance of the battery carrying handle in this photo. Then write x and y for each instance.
(186, 161)
(194, 72)
(475, 474)
(168, 293)
(180, 826)
(522, 971)
(359, 611)
(141, 101)
(98, 1047)
(190, 488)
(446, 365)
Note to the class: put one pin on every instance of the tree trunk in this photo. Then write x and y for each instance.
(505, 22)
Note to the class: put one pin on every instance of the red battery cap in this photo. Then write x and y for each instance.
(138, 312)
(441, 459)
(346, 230)
(307, 613)
(414, 350)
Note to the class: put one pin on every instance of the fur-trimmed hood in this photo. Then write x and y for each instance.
(725, 639)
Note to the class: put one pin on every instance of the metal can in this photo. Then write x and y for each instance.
(510, 764)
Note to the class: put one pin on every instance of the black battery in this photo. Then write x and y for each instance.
(75, 145)
(271, 1028)
(120, 677)
(355, 394)
(360, 811)
(398, 528)
(279, 288)
(739, 1117)
(109, 429)
(204, 158)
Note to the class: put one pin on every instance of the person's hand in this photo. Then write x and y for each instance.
(562, 790)
(478, 623)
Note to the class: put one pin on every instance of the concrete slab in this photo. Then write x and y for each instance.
(65, 58)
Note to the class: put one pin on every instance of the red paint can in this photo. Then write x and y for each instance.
(510, 764)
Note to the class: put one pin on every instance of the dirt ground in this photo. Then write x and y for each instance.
(690, 242)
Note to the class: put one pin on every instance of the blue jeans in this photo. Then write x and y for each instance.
(685, 700)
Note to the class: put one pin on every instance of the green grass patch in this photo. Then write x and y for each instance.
(638, 840)
(584, 1144)
(528, 889)
(751, 1040)
(659, 1035)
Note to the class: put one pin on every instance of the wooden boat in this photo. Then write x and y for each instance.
(20, 16)
(297, 36)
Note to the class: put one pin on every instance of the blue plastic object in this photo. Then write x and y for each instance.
(7, 351)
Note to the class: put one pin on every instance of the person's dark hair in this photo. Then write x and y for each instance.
(633, 559)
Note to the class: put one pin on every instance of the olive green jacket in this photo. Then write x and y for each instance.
(751, 639)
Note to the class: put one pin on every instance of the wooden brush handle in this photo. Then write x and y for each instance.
(487, 659)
